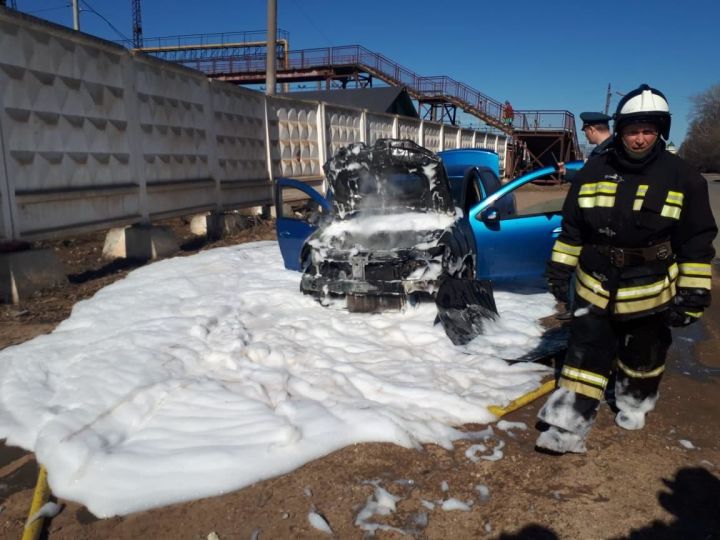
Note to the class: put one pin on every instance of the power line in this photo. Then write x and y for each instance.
(90, 9)
(318, 30)
(46, 9)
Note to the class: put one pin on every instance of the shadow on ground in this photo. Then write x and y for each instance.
(117, 265)
(531, 532)
(694, 499)
(120, 265)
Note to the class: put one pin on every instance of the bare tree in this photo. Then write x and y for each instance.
(702, 145)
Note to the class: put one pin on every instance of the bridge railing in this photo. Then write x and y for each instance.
(204, 40)
(437, 87)
(355, 55)
(544, 121)
(445, 86)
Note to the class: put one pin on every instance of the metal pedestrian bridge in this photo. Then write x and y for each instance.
(542, 136)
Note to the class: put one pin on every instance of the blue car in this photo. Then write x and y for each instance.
(514, 225)
(397, 219)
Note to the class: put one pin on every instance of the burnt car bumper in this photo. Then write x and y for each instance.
(371, 284)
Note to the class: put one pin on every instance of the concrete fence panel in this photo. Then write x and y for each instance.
(450, 137)
(343, 126)
(466, 138)
(238, 124)
(432, 136)
(64, 130)
(409, 128)
(379, 126)
(294, 137)
(172, 112)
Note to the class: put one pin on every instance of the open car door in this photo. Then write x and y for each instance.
(517, 247)
(298, 210)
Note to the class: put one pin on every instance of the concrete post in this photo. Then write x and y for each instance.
(135, 136)
(26, 271)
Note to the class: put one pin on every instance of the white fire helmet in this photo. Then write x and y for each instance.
(644, 104)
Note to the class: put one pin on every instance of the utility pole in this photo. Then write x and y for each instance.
(270, 47)
(76, 15)
(607, 99)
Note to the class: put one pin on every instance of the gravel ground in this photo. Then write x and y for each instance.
(640, 485)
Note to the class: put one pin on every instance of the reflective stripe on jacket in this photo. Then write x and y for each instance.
(608, 206)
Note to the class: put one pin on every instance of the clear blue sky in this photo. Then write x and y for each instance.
(540, 55)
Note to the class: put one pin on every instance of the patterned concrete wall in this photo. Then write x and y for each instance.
(342, 127)
(432, 136)
(409, 128)
(450, 137)
(467, 138)
(380, 126)
(294, 137)
(93, 136)
(238, 123)
(174, 143)
(239, 126)
(64, 130)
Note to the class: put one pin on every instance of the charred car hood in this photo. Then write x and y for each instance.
(381, 233)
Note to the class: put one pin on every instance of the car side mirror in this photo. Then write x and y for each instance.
(490, 215)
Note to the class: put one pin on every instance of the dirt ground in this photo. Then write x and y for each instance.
(638, 485)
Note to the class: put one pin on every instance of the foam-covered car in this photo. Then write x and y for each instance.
(396, 219)
(389, 232)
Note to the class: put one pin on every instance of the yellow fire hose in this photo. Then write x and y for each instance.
(546, 387)
(40, 497)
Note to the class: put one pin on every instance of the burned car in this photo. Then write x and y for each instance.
(513, 224)
(389, 230)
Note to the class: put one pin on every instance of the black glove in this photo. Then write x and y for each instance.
(558, 280)
(677, 317)
(559, 289)
(692, 298)
(688, 306)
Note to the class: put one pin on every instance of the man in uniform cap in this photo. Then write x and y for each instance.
(596, 127)
(597, 130)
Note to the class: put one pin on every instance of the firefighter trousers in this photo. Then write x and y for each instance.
(633, 351)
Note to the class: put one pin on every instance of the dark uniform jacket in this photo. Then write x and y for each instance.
(659, 209)
(602, 147)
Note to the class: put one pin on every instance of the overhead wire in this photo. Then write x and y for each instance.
(35, 12)
(299, 7)
(93, 10)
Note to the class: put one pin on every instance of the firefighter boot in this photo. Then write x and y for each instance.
(634, 398)
(630, 419)
(570, 417)
(561, 441)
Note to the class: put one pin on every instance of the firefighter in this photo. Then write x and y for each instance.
(637, 233)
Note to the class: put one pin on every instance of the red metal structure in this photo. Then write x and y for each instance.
(547, 137)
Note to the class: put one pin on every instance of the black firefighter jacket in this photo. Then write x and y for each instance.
(610, 205)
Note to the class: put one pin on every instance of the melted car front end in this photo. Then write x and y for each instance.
(374, 280)
(394, 229)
